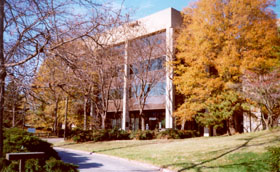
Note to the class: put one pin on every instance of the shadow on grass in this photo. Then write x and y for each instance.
(248, 162)
(121, 147)
(246, 166)
(244, 162)
(132, 145)
(66, 144)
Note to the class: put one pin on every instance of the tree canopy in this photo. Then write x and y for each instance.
(219, 40)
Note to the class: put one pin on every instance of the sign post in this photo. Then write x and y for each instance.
(22, 156)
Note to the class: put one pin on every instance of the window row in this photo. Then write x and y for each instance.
(142, 67)
(148, 65)
(156, 90)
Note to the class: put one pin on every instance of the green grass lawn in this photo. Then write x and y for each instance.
(242, 152)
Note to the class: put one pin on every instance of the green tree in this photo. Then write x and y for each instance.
(222, 109)
(13, 105)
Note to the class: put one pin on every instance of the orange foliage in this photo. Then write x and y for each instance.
(218, 41)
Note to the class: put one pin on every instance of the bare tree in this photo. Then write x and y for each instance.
(107, 62)
(28, 28)
(116, 92)
(147, 62)
(264, 89)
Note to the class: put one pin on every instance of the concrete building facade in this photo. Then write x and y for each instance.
(159, 105)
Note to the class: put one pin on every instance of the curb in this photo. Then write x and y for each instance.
(118, 158)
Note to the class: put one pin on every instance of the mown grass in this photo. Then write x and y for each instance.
(243, 152)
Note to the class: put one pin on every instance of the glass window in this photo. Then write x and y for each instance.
(158, 89)
(154, 64)
(157, 64)
(117, 50)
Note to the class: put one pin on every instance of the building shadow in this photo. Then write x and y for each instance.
(133, 145)
(77, 159)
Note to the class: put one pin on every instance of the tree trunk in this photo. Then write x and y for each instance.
(142, 119)
(265, 121)
(275, 122)
(2, 74)
(14, 113)
(183, 124)
(2, 94)
(65, 122)
(103, 120)
(250, 120)
(55, 126)
(85, 112)
(142, 123)
(23, 115)
(228, 128)
(270, 120)
(91, 114)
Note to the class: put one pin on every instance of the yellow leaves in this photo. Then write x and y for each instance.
(218, 42)
(188, 110)
(259, 65)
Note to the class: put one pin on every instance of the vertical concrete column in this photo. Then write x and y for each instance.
(169, 99)
(125, 117)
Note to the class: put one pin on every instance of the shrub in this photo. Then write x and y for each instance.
(168, 134)
(34, 165)
(74, 132)
(142, 135)
(274, 159)
(188, 133)
(6, 166)
(113, 134)
(83, 136)
(17, 140)
(99, 135)
(54, 165)
(79, 135)
(176, 134)
(116, 134)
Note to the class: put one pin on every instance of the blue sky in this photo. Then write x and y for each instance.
(146, 7)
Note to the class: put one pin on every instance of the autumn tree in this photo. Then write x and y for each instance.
(56, 95)
(46, 88)
(76, 72)
(93, 73)
(219, 40)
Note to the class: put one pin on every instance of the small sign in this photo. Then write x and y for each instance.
(152, 118)
(31, 130)
(206, 132)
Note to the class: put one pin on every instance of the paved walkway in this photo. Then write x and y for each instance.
(102, 163)
(53, 140)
